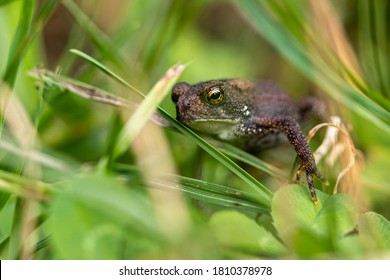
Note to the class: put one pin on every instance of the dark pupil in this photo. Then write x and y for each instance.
(215, 95)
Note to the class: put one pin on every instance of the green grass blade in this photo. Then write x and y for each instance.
(46, 10)
(16, 152)
(28, 27)
(15, 243)
(374, 47)
(4, 197)
(220, 194)
(20, 42)
(265, 194)
(302, 56)
(203, 191)
(134, 125)
(6, 2)
(252, 160)
(98, 38)
(103, 68)
(199, 190)
(51, 79)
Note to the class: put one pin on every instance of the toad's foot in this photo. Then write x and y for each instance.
(310, 173)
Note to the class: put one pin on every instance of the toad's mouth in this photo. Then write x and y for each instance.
(211, 126)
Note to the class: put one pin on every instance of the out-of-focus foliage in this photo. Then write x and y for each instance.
(81, 179)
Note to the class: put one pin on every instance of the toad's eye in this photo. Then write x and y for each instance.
(215, 95)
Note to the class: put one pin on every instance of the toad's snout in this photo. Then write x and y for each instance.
(183, 110)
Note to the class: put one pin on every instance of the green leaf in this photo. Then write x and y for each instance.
(350, 247)
(375, 230)
(236, 231)
(337, 217)
(293, 206)
(93, 215)
(307, 228)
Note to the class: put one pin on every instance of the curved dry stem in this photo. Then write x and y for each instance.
(334, 147)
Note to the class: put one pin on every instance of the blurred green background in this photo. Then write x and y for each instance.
(63, 195)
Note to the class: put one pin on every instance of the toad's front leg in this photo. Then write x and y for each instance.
(290, 127)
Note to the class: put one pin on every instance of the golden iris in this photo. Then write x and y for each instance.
(215, 95)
